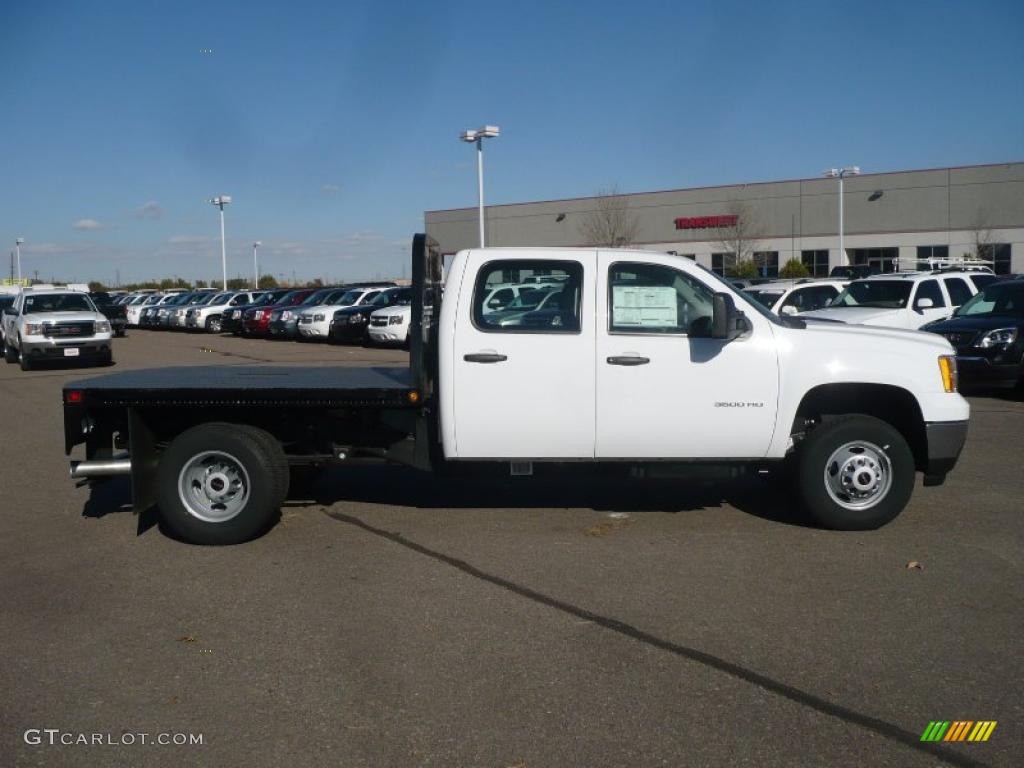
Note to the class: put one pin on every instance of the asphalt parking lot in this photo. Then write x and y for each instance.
(396, 619)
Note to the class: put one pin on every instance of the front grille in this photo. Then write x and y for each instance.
(959, 340)
(378, 321)
(307, 320)
(68, 330)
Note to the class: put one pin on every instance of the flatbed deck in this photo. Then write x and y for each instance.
(310, 386)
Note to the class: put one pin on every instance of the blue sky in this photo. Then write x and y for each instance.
(334, 125)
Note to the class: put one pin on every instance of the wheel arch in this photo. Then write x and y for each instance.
(890, 403)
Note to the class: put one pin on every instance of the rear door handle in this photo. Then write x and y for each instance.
(628, 360)
(485, 357)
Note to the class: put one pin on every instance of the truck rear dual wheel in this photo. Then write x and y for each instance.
(221, 483)
(854, 473)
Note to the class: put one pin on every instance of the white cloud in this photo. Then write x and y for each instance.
(191, 240)
(330, 189)
(87, 224)
(149, 210)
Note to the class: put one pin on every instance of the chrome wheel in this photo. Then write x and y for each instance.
(213, 486)
(858, 475)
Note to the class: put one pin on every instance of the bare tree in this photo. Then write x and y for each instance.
(740, 234)
(980, 237)
(611, 224)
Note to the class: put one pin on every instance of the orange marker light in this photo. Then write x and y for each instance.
(947, 367)
(414, 397)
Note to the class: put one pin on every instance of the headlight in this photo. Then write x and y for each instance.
(947, 369)
(102, 326)
(319, 317)
(357, 319)
(396, 319)
(259, 314)
(287, 315)
(1000, 337)
(33, 329)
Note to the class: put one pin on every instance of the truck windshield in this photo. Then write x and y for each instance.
(58, 302)
(884, 294)
(1003, 299)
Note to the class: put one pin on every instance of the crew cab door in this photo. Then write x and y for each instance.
(662, 391)
(929, 289)
(524, 377)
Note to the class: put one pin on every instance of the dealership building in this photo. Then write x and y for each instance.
(892, 220)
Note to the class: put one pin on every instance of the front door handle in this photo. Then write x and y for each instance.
(485, 357)
(628, 360)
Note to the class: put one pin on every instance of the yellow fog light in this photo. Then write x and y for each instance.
(947, 367)
(414, 397)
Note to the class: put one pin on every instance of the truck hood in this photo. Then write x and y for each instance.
(858, 315)
(401, 309)
(63, 317)
(844, 333)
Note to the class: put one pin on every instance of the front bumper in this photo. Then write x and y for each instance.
(945, 441)
(318, 329)
(36, 348)
(347, 331)
(385, 334)
(977, 371)
(286, 328)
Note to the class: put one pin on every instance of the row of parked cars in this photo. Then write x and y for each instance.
(979, 313)
(353, 313)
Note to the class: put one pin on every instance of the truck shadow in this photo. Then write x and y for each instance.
(571, 488)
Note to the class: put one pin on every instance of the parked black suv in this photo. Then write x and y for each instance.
(115, 312)
(351, 323)
(988, 334)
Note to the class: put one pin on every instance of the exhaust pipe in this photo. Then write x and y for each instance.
(85, 470)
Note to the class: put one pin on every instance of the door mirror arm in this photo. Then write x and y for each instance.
(727, 322)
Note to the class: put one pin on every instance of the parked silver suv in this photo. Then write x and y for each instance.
(55, 324)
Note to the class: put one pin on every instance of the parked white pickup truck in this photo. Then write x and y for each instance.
(647, 362)
(55, 324)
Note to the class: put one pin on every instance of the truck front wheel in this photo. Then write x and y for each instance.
(221, 484)
(855, 473)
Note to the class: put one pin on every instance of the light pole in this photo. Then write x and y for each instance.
(841, 173)
(255, 266)
(220, 201)
(477, 137)
(17, 249)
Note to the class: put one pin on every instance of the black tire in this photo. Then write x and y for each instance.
(213, 324)
(264, 466)
(26, 364)
(813, 462)
(10, 353)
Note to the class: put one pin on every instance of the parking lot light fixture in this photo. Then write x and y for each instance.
(220, 201)
(17, 248)
(841, 173)
(255, 266)
(477, 137)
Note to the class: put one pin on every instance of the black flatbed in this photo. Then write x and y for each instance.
(312, 386)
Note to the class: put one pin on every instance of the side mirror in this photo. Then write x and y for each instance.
(727, 322)
(789, 309)
(924, 303)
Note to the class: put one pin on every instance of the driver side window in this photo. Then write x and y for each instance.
(652, 298)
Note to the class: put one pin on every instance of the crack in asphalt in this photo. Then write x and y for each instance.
(881, 727)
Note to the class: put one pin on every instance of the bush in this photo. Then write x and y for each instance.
(743, 268)
(793, 269)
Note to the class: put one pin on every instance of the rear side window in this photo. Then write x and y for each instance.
(652, 298)
(547, 296)
(959, 293)
(980, 281)
(929, 289)
(813, 297)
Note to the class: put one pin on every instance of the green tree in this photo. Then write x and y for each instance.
(268, 281)
(743, 268)
(793, 269)
(238, 283)
(96, 285)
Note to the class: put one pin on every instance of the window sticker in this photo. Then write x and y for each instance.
(644, 307)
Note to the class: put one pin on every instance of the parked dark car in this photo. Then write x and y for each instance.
(112, 309)
(988, 334)
(256, 320)
(350, 324)
(284, 323)
(232, 319)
